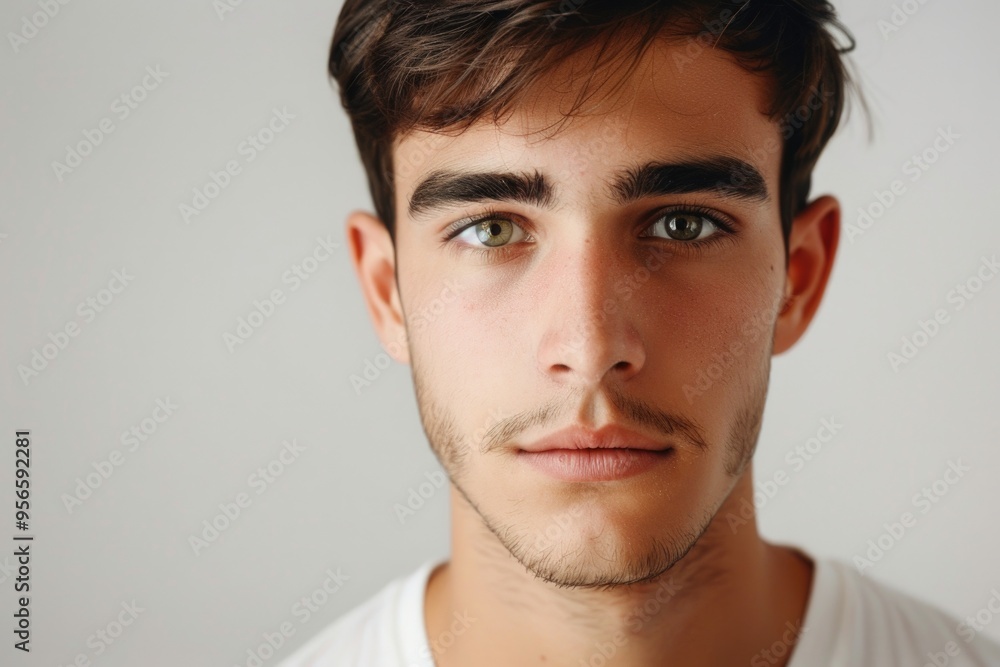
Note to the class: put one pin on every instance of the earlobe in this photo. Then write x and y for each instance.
(374, 260)
(812, 246)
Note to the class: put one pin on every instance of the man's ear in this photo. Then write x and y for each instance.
(812, 246)
(374, 259)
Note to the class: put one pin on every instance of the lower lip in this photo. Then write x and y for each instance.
(594, 465)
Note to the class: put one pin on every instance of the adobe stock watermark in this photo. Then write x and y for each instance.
(626, 286)
(924, 500)
(778, 651)
(758, 324)
(224, 7)
(248, 149)
(494, 418)
(976, 623)
(33, 23)
(460, 624)
(260, 481)
(413, 154)
(942, 658)
(308, 605)
(88, 309)
(372, 368)
(558, 528)
(418, 319)
(968, 629)
(926, 329)
(899, 16)
(792, 122)
(604, 651)
(796, 457)
(294, 276)
(914, 167)
(417, 497)
(104, 637)
(303, 610)
(565, 8)
(629, 284)
(137, 435)
(122, 107)
(666, 589)
(436, 306)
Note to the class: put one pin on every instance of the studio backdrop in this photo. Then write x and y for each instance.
(224, 459)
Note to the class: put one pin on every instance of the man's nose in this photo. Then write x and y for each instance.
(588, 325)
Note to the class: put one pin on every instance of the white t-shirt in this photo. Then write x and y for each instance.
(851, 621)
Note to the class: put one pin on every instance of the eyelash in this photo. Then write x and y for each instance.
(499, 253)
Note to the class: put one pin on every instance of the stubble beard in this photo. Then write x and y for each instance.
(657, 557)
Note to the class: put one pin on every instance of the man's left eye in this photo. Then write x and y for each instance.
(685, 226)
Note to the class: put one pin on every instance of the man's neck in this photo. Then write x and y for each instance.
(730, 599)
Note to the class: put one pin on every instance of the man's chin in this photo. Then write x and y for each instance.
(578, 537)
(597, 554)
(576, 568)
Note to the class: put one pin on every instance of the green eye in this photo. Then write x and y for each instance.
(494, 232)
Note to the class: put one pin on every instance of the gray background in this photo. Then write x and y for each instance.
(162, 336)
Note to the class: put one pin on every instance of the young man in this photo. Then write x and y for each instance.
(592, 234)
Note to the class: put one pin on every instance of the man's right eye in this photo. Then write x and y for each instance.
(491, 232)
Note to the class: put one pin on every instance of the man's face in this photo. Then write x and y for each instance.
(645, 302)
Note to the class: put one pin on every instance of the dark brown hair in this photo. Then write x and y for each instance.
(439, 65)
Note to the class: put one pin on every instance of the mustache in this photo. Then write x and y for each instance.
(634, 413)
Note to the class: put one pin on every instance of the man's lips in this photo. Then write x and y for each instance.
(597, 464)
(610, 436)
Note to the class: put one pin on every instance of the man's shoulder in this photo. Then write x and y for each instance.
(379, 632)
(877, 623)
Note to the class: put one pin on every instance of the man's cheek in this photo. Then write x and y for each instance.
(725, 347)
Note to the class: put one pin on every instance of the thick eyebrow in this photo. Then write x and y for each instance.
(444, 188)
(721, 174)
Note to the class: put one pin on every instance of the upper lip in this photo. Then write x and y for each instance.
(609, 436)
